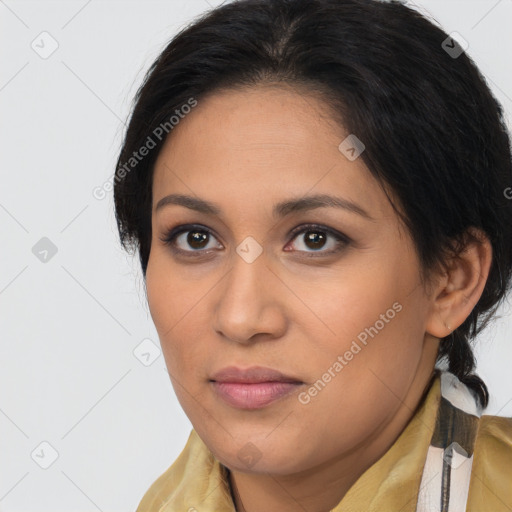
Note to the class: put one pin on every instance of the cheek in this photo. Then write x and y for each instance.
(173, 306)
(165, 308)
(376, 332)
(158, 297)
(362, 303)
(166, 293)
(369, 384)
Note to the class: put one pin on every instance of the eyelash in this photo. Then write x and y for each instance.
(341, 240)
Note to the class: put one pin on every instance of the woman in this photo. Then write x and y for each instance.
(317, 193)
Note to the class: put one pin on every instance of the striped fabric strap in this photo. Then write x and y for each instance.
(445, 481)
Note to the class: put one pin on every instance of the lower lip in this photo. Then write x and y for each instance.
(253, 396)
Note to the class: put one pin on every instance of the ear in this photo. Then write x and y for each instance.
(460, 286)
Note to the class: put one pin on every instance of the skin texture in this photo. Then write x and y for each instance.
(246, 150)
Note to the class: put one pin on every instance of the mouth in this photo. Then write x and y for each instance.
(252, 388)
(252, 375)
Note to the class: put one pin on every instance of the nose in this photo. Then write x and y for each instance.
(250, 302)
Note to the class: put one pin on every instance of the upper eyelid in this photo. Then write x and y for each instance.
(312, 225)
(184, 228)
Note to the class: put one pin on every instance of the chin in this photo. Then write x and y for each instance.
(272, 466)
(254, 457)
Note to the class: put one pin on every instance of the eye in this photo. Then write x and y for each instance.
(197, 237)
(315, 237)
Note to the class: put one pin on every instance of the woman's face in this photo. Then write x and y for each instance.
(255, 284)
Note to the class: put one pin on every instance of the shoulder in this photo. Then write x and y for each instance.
(169, 484)
(496, 430)
(491, 475)
(195, 481)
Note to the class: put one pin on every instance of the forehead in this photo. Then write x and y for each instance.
(263, 112)
(261, 140)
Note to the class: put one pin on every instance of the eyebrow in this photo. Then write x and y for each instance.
(280, 210)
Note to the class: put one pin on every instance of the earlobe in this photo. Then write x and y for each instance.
(461, 287)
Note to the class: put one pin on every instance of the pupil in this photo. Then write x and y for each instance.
(196, 238)
(315, 238)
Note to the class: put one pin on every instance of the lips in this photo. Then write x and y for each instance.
(252, 388)
(252, 375)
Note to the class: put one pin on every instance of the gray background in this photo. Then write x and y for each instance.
(70, 324)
